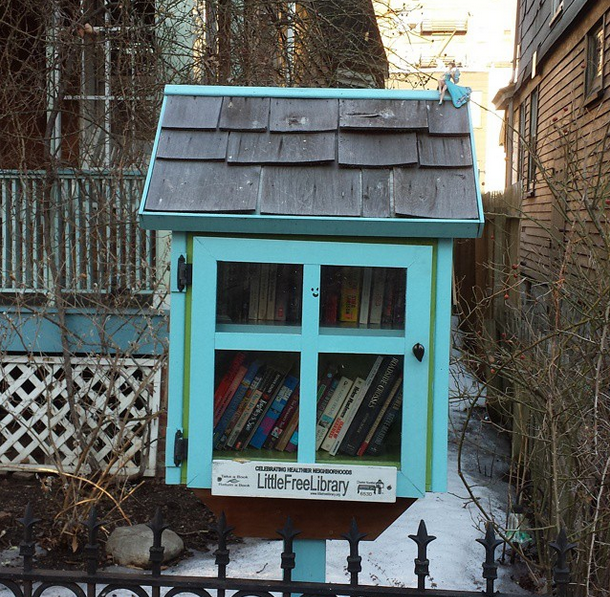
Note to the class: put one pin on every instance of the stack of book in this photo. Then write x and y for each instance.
(259, 292)
(256, 405)
(355, 415)
(363, 296)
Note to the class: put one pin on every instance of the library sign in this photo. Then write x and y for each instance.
(303, 481)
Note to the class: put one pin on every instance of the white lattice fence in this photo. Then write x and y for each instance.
(116, 404)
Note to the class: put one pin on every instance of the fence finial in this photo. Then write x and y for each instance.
(27, 547)
(561, 570)
(354, 561)
(422, 563)
(91, 551)
(222, 553)
(490, 567)
(157, 526)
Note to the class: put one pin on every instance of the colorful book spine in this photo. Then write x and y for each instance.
(259, 411)
(351, 404)
(351, 413)
(239, 376)
(221, 397)
(370, 407)
(245, 409)
(294, 442)
(324, 385)
(350, 295)
(369, 436)
(393, 413)
(332, 409)
(244, 386)
(277, 406)
(289, 431)
(291, 407)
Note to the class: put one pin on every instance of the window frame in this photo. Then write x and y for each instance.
(528, 130)
(593, 84)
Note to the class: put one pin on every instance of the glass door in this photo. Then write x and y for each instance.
(307, 350)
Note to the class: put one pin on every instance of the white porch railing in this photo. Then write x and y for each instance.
(78, 232)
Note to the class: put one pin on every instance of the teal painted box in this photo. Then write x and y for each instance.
(311, 285)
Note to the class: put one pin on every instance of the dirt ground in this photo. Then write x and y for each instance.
(181, 510)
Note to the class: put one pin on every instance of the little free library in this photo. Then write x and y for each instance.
(311, 268)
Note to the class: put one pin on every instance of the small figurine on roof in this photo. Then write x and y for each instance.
(448, 83)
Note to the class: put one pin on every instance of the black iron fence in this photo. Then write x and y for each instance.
(28, 581)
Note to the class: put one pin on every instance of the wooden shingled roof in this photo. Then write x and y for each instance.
(321, 156)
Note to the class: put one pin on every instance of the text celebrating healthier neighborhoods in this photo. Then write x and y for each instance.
(359, 404)
(371, 297)
(307, 481)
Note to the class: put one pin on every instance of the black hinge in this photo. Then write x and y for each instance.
(180, 447)
(185, 273)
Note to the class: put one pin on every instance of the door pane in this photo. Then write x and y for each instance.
(259, 293)
(359, 408)
(256, 404)
(363, 297)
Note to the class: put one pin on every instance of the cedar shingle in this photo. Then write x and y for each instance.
(321, 191)
(280, 148)
(444, 152)
(191, 112)
(193, 145)
(377, 150)
(383, 114)
(435, 193)
(296, 115)
(244, 114)
(194, 186)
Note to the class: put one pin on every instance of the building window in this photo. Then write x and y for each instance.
(594, 70)
(528, 127)
(103, 77)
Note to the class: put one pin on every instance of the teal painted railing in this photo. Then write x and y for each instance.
(78, 231)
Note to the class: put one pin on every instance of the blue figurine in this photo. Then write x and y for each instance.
(448, 82)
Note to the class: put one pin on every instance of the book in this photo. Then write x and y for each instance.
(281, 294)
(220, 428)
(332, 408)
(263, 291)
(377, 296)
(228, 396)
(350, 413)
(324, 384)
(398, 318)
(247, 405)
(388, 298)
(220, 394)
(371, 405)
(295, 298)
(350, 295)
(290, 433)
(282, 421)
(259, 410)
(271, 291)
(294, 441)
(278, 404)
(393, 413)
(331, 288)
(365, 299)
(367, 440)
(255, 283)
(351, 404)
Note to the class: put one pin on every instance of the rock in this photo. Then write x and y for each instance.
(130, 546)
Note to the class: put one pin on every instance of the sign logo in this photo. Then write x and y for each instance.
(304, 481)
